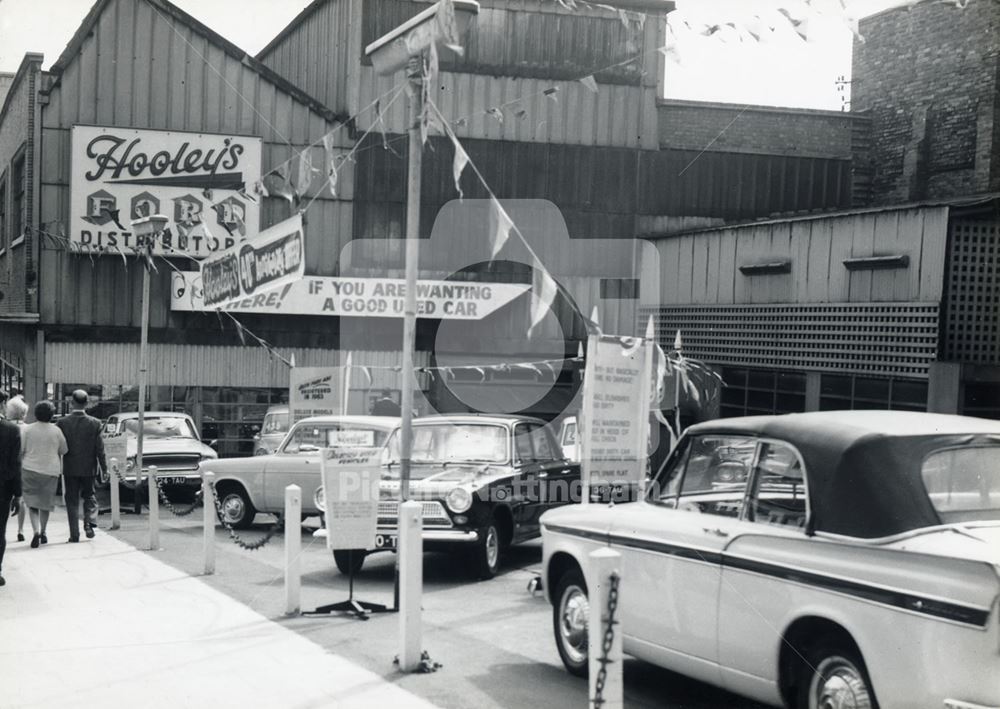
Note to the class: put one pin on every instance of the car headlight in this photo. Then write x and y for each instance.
(319, 499)
(459, 500)
(130, 465)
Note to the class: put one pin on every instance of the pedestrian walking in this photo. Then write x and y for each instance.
(81, 465)
(17, 409)
(42, 448)
(10, 476)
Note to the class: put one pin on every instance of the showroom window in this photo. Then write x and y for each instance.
(750, 392)
(853, 392)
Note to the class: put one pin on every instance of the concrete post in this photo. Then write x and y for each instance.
(411, 581)
(208, 520)
(116, 505)
(293, 549)
(603, 564)
(154, 510)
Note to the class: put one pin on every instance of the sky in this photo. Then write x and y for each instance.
(752, 64)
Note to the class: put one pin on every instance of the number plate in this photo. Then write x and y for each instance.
(174, 481)
(385, 541)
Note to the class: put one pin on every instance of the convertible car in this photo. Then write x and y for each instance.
(247, 486)
(838, 559)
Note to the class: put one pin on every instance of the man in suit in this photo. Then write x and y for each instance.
(10, 474)
(80, 465)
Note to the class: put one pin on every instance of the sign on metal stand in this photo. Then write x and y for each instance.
(350, 512)
(293, 549)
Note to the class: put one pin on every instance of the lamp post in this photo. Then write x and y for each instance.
(406, 46)
(145, 230)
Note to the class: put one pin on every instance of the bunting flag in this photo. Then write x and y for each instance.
(544, 290)
(521, 114)
(259, 190)
(500, 226)
(459, 163)
(590, 82)
(278, 186)
(304, 181)
(550, 93)
(497, 113)
(448, 26)
(331, 164)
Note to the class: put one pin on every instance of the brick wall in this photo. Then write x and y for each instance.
(17, 131)
(928, 78)
(722, 127)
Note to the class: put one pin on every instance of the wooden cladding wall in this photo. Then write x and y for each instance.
(143, 67)
(703, 267)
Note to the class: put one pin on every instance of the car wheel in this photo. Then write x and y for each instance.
(237, 510)
(349, 561)
(486, 555)
(570, 618)
(834, 677)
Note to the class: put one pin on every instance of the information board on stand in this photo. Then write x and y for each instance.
(350, 496)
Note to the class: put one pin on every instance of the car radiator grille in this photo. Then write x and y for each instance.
(433, 512)
(167, 464)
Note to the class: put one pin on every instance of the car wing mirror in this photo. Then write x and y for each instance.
(308, 448)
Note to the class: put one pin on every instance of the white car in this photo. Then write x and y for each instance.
(821, 560)
(170, 441)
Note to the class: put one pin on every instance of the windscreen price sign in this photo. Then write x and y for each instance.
(273, 258)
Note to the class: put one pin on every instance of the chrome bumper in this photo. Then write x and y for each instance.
(959, 704)
(429, 535)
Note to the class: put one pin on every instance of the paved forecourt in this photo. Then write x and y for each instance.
(101, 624)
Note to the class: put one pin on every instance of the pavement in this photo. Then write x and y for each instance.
(102, 624)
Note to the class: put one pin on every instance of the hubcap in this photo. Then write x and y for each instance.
(574, 616)
(492, 547)
(233, 508)
(838, 684)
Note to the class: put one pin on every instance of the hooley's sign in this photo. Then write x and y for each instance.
(197, 180)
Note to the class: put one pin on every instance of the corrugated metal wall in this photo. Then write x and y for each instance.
(191, 365)
(619, 114)
(143, 68)
(317, 54)
(703, 267)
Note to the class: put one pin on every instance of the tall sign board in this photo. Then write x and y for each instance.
(350, 496)
(198, 180)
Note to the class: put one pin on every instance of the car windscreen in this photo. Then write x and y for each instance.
(963, 483)
(313, 436)
(455, 443)
(162, 427)
(274, 423)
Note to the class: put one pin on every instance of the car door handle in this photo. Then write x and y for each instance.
(715, 531)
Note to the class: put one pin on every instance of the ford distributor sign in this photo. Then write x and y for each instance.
(198, 180)
(273, 258)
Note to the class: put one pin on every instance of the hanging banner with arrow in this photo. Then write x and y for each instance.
(273, 258)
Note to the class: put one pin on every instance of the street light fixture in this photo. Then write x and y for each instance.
(145, 230)
(405, 46)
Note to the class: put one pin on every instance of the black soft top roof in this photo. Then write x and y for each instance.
(864, 467)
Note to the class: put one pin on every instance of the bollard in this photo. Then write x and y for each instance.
(411, 579)
(293, 549)
(603, 563)
(208, 520)
(116, 504)
(154, 510)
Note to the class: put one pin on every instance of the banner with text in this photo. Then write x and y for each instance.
(614, 421)
(198, 180)
(358, 297)
(274, 258)
(316, 391)
(350, 496)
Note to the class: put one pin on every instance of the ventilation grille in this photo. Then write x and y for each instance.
(972, 316)
(868, 338)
